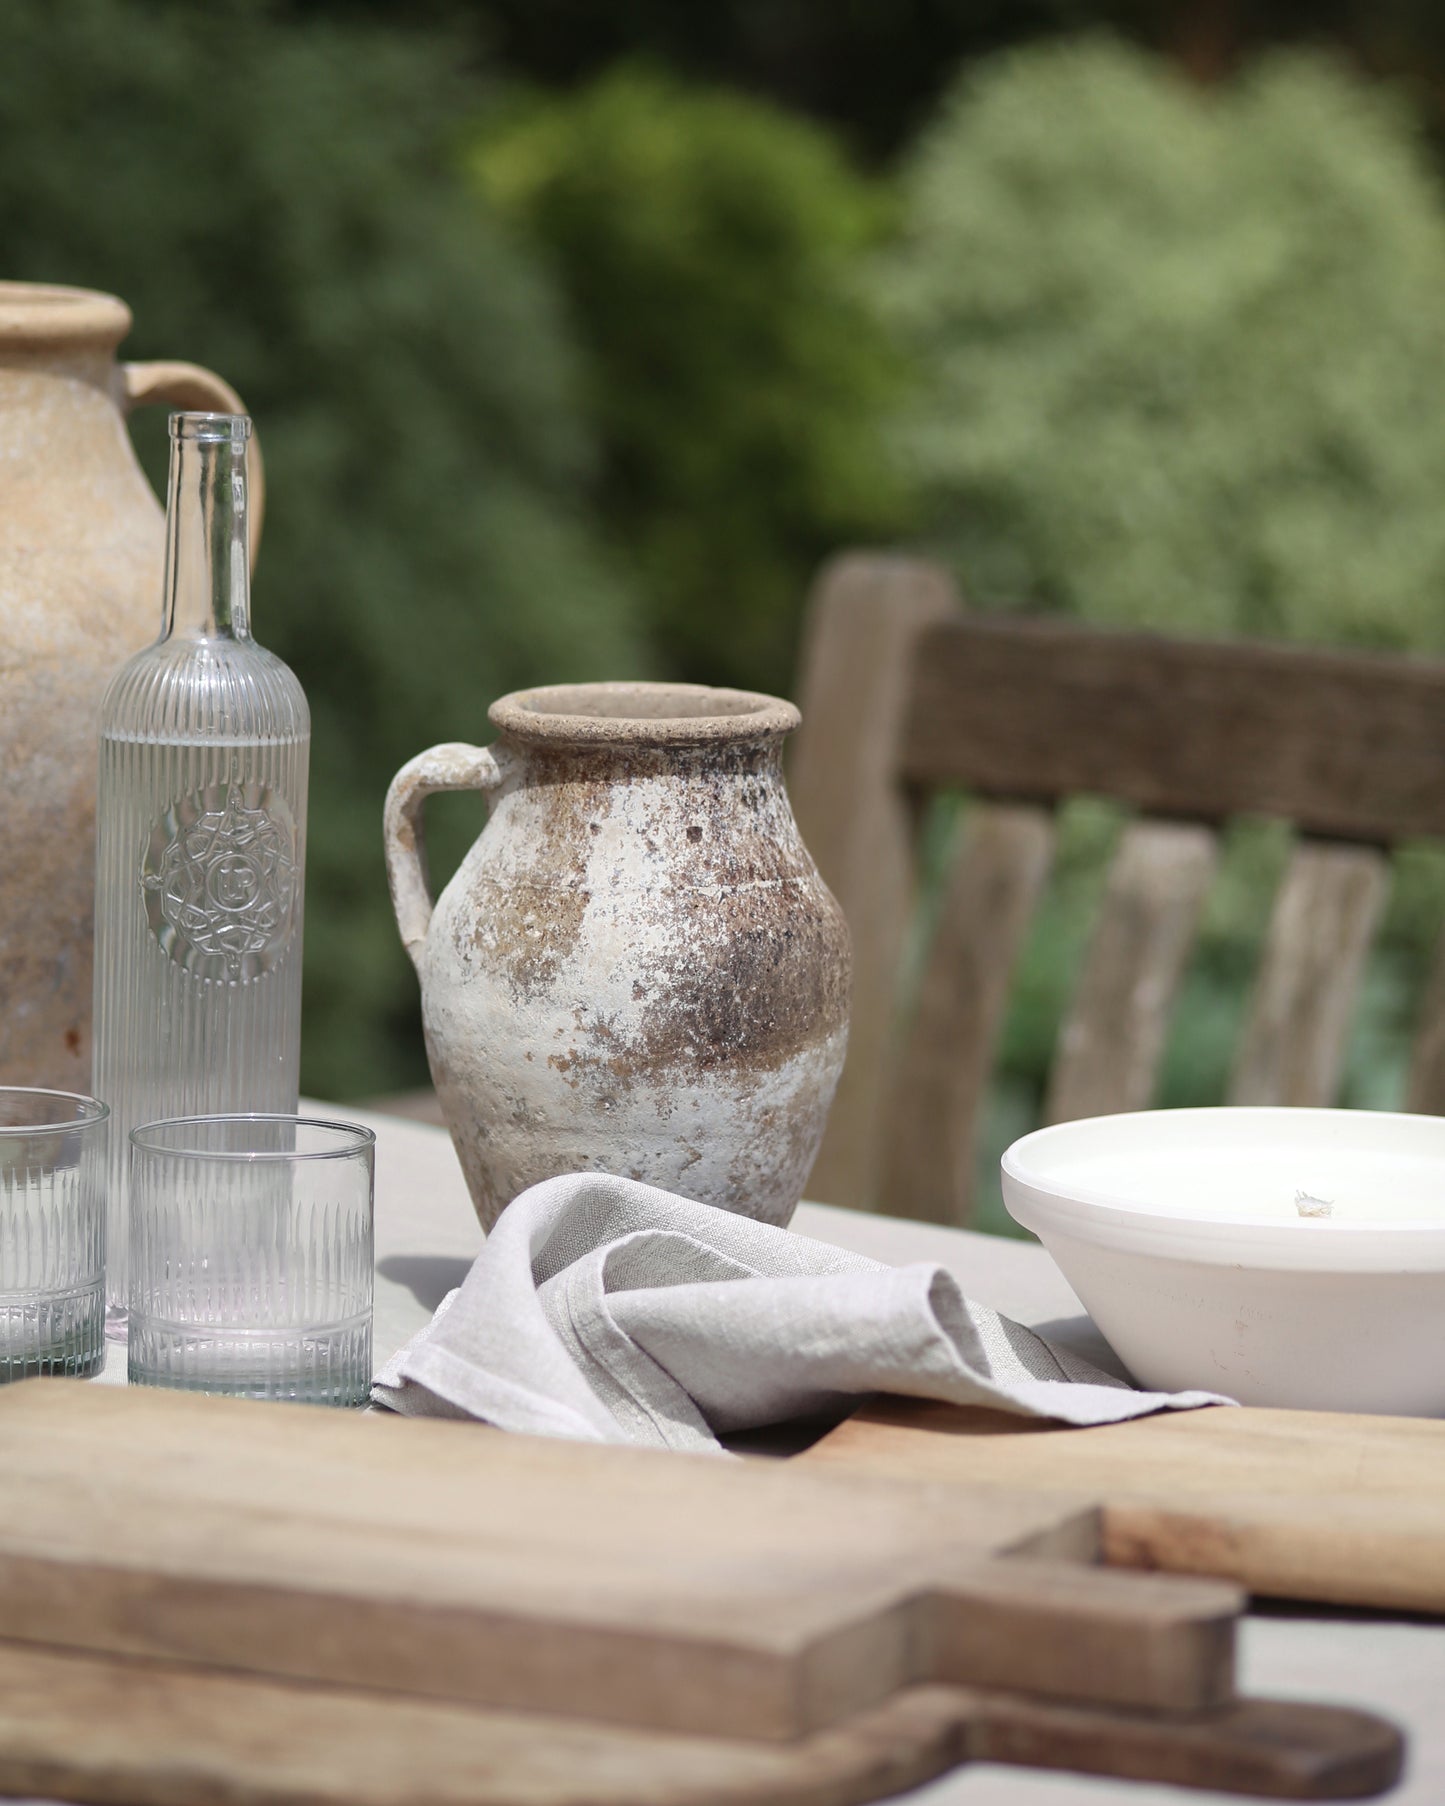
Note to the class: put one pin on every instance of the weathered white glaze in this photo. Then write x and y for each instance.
(637, 968)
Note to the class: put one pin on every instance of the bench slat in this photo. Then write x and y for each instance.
(1344, 745)
(1113, 1037)
(992, 889)
(864, 617)
(1324, 918)
(1426, 1091)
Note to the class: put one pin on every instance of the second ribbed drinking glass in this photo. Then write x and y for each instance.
(251, 1257)
(200, 837)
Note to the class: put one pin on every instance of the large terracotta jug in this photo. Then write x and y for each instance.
(637, 968)
(81, 554)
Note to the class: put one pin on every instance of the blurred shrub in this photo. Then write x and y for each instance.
(278, 201)
(1182, 353)
(709, 248)
(1180, 364)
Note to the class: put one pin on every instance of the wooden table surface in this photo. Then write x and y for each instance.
(427, 1236)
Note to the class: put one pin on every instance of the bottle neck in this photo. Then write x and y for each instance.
(208, 575)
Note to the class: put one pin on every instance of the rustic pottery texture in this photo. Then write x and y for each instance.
(81, 549)
(637, 968)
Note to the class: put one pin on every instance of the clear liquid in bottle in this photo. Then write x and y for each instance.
(200, 839)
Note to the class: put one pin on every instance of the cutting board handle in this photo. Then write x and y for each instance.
(1084, 1633)
(1278, 1748)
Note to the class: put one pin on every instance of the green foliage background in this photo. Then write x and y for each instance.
(1184, 352)
(709, 248)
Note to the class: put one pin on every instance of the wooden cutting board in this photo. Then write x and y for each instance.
(140, 1734)
(1291, 1504)
(202, 1599)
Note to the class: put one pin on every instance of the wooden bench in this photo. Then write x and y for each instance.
(904, 694)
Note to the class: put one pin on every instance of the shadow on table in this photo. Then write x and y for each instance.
(1079, 1336)
(428, 1277)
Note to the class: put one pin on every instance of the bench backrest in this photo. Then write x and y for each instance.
(904, 693)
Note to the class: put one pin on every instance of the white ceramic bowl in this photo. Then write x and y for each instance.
(1181, 1234)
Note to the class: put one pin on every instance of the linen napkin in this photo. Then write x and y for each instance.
(605, 1310)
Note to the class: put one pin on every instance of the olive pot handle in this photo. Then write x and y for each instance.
(450, 767)
(192, 386)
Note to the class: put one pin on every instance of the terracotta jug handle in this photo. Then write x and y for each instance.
(191, 386)
(450, 767)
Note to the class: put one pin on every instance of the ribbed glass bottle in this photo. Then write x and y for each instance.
(200, 839)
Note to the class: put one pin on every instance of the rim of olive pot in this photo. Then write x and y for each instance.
(145, 1137)
(46, 313)
(91, 1111)
(641, 714)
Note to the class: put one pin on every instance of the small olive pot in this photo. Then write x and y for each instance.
(636, 969)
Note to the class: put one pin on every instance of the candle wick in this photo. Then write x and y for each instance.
(1309, 1206)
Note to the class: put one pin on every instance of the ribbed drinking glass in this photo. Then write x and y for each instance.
(251, 1257)
(52, 1233)
(200, 837)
